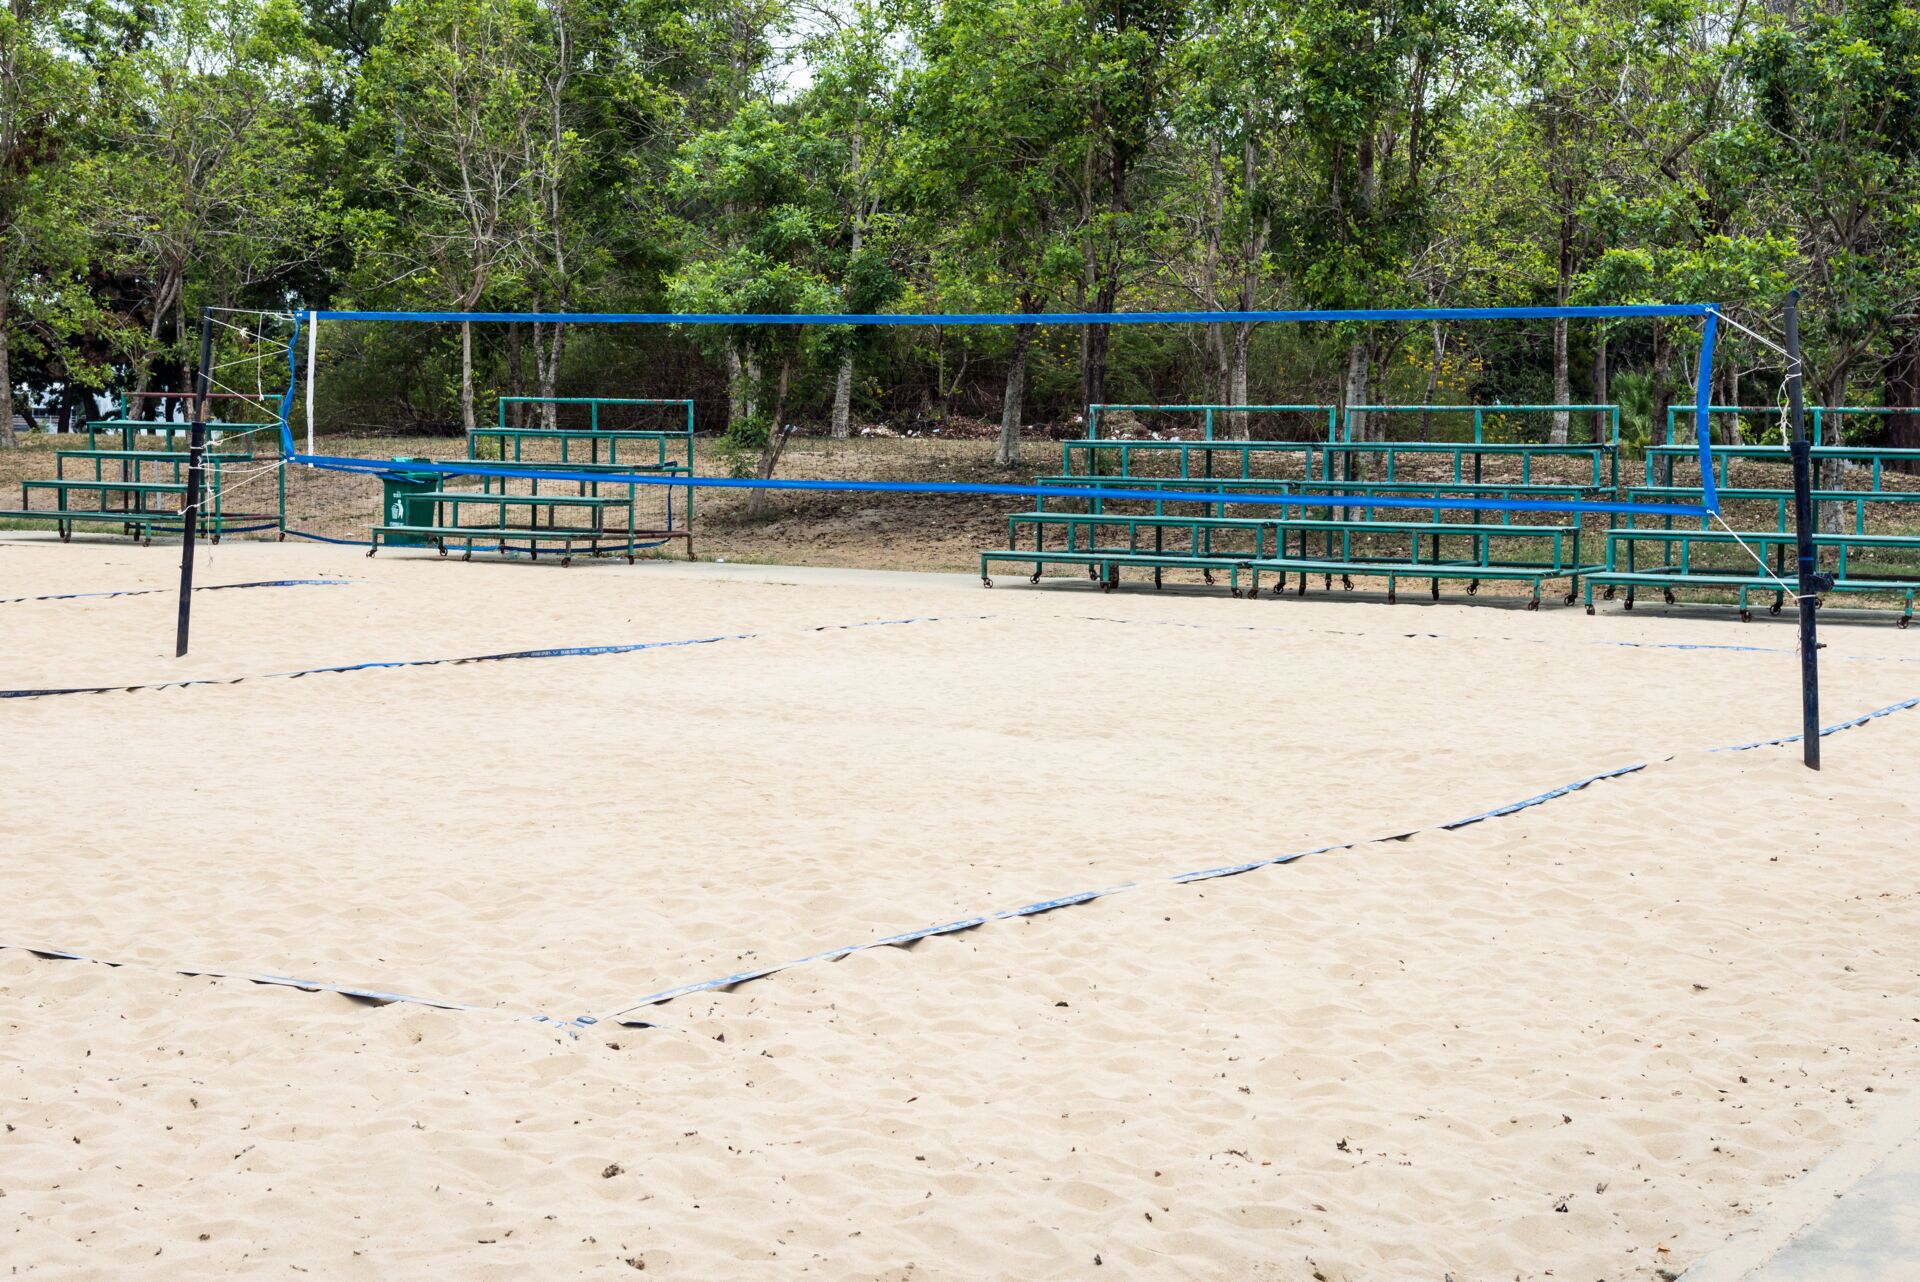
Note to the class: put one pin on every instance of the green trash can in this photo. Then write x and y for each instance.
(404, 503)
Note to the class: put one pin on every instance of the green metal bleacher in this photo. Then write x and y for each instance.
(530, 511)
(1386, 532)
(1743, 552)
(131, 483)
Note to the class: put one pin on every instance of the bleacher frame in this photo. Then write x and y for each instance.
(134, 487)
(666, 452)
(1214, 537)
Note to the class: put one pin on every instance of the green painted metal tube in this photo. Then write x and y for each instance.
(1208, 410)
(1479, 413)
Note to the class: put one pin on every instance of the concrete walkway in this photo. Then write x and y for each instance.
(1853, 1218)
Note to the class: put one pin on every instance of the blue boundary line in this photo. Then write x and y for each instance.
(1849, 724)
(1703, 646)
(625, 1016)
(376, 996)
(212, 587)
(370, 996)
(551, 652)
(727, 982)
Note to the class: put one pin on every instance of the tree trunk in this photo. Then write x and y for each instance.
(189, 364)
(7, 439)
(1837, 474)
(1433, 379)
(1903, 391)
(776, 433)
(1563, 288)
(1242, 339)
(738, 396)
(466, 375)
(843, 381)
(1661, 399)
(1733, 398)
(1216, 332)
(1562, 382)
(1012, 407)
(1356, 390)
(69, 393)
(516, 384)
(1602, 420)
(546, 360)
(776, 439)
(750, 388)
(843, 397)
(1097, 342)
(143, 368)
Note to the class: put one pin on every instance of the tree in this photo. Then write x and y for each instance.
(1833, 148)
(1121, 82)
(42, 99)
(757, 240)
(1380, 82)
(856, 71)
(453, 109)
(207, 166)
(1574, 56)
(1231, 90)
(993, 157)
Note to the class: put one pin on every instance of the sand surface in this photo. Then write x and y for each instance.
(1586, 1039)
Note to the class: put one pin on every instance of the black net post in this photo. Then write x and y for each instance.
(1809, 584)
(196, 455)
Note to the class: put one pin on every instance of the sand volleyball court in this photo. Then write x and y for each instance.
(1584, 1039)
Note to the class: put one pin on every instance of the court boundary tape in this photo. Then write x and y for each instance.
(550, 652)
(728, 982)
(1702, 646)
(211, 587)
(559, 652)
(354, 992)
(626, 1017)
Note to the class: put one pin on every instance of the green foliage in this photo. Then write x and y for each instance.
(1633, 392)
(1007, 155)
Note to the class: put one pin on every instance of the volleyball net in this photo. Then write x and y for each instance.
(490, 459)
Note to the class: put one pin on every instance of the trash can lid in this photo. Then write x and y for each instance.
(417, 478)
